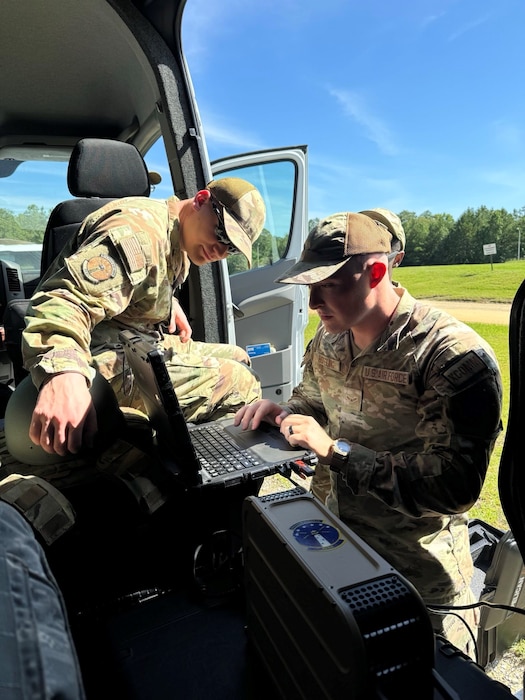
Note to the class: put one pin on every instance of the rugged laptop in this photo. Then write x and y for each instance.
(206, 454)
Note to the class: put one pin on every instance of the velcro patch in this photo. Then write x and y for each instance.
(329, 363)
(133, 254)
(464, 369)
(386, 375)
(99, 268)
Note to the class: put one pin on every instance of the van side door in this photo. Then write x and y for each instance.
(270, 318)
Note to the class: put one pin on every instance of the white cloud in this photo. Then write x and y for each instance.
(511, 179)
(468, 27)
(335, 186)
(218, 134)
(507, 135)
(375, 129)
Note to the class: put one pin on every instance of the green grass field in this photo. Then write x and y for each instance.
(498, 283)
(471, 283)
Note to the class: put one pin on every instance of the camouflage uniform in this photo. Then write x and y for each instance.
(119, 272)
(421, 407)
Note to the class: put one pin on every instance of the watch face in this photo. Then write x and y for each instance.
(340, 451)
(343, 447)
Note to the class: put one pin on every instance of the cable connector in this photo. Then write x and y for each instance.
(301, 468)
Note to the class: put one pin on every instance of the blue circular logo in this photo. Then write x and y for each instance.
(316, 534)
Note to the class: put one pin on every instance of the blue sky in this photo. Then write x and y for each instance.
(404, 104)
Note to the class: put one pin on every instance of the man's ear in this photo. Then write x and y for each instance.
(399, 258)
(377, 272)
(201, 198)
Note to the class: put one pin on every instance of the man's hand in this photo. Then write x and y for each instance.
(64, 418)
(306, 432)
(179, 322)
(251, 415)
(299, 430)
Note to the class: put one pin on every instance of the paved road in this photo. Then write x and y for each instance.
(475, 312)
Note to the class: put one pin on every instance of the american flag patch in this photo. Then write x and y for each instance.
(132, 253)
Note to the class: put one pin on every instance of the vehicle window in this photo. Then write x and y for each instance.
(28, 193)
(157, 164)
(28, 260)
(276, 182)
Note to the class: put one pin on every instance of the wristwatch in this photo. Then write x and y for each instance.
(340, 451)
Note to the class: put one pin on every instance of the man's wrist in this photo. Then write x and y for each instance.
(339, 454)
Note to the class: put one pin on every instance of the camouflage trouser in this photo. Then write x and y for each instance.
(36, 491)
(320, 484)
(211, 379)
(453, 627)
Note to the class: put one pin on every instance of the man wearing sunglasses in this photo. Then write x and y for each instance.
(120, 271)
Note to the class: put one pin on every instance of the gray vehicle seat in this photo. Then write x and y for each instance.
(99, 170)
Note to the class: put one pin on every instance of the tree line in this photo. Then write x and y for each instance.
(439, 239)
(432, 239)
(29, 225)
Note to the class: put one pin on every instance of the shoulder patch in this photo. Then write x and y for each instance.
(133, 253)
(462, 370)
(99, 268)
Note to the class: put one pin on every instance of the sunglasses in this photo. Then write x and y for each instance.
(220, 230)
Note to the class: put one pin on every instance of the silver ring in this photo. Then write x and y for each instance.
(290, 430)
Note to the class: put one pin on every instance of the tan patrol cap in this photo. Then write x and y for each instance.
(333, 242)
(390, 220)
(244, 211)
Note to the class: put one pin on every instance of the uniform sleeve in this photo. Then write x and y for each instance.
(459, 414)
(306, 397)
(92, 284)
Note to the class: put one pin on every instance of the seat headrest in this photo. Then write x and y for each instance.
(107, 168)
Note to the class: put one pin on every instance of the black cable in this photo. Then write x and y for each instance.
(479, 604)
(446, 610)
(449, 610)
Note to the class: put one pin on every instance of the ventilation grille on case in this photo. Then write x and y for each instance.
(395, 629)
(282, 495)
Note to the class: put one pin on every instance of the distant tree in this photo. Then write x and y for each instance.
(459, 245)
(312, 223)
(265, 251)
(9, 227)
(416, 232)
(439, 229)
(505, 234)
(33, 222)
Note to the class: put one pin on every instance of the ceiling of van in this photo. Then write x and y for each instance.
(66, 73)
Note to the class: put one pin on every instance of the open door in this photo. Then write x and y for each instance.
(269, 319)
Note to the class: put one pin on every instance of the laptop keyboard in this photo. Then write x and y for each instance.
(218, 454)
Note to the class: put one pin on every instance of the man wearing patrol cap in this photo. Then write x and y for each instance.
(118, 272)
(320, 483)
(402, 401)
(393, 224)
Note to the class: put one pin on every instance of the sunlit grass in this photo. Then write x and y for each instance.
(483, 282)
